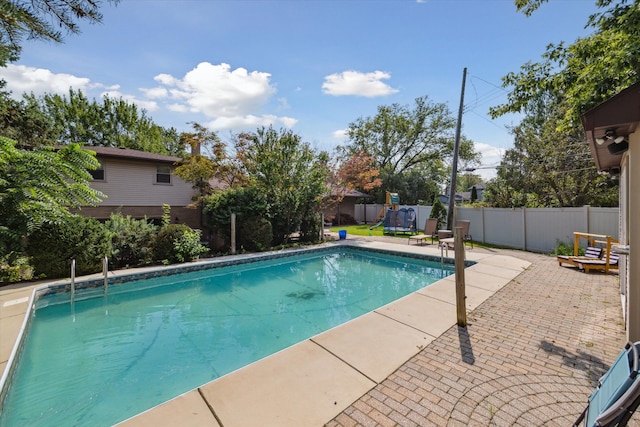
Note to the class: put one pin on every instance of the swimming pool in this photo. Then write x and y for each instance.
(153, 339)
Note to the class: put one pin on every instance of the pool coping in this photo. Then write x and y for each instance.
(331, 351)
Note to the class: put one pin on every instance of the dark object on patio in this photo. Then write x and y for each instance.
(618, 392)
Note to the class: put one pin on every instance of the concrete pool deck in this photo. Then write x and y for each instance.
(407, 363)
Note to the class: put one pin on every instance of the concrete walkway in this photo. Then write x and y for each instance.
(539, 337)
(530, 356)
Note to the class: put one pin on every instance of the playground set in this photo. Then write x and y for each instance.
(395, 219)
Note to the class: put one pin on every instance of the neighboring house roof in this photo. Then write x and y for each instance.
(459, 197)
(464, 196)
(356, 193)
(127, 153)
(345, 192)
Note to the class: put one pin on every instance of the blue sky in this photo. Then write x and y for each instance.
(312, 66)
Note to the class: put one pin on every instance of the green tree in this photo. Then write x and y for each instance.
(41, 19)
(474, 194)
(292, 176)
(439, 212)
(196, 168)
(23, 121)
(253, 229)
(110, 123)
(585, 72)
(404, 139)
(466, 181)
(357, 173)
(40, 185)
(548, 166)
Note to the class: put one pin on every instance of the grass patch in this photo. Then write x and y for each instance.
(364, 230)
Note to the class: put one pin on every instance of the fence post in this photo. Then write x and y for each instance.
(484, 240)
(524, 228)
(461, 308)
(586, 218)
(233, 233)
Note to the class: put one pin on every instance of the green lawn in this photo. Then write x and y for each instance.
(363, 230)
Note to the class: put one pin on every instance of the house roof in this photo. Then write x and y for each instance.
(356, 193)
(620, 116)
(126, 153)
(346, 192)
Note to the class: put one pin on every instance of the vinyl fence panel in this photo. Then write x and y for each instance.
(535, 230)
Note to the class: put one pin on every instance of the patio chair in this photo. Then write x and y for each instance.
(617, 394)
(608, 262)
(591, 253)
(430, 230)
(466, 237)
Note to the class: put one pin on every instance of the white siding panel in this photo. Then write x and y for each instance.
(133, 184)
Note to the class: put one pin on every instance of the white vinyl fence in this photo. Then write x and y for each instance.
(535, 230)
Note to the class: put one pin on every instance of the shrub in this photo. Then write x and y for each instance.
(249, 204)
(15, 268)
(177, 243)
(131, 240)
(255, 234)
(53, 245)
(566, 249)
(439, 212)
(310, 228)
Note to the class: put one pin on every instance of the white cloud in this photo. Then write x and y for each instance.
(231, 98)
(218, 91)
(177, 108)
(340, 134)
(356, 83)
(22, 79)
(288, 122)
(166, 79)
(39, 81)
(228, 98)
(491, 156)
(251, 122)
(155, 93)
(283, 104)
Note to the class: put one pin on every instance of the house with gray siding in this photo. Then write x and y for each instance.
(138, 183)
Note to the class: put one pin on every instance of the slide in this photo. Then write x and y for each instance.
(377, 224)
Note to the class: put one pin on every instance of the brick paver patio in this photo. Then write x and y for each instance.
(530, 356)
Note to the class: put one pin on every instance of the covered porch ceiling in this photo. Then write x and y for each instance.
(617, 117)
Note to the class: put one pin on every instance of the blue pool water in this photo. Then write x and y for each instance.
(149, 341)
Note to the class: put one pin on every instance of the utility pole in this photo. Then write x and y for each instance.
(454, 165)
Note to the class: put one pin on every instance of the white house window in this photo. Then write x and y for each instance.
(163, 175)
(98, 173)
